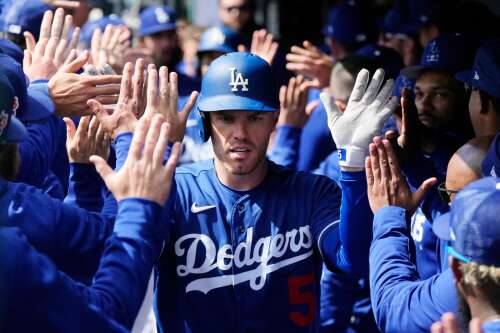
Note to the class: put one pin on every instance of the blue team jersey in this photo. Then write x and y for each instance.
(244, 261)
(426, 245)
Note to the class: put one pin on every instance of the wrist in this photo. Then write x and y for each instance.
(352, 157)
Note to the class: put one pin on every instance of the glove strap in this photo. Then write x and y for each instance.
(352, 157)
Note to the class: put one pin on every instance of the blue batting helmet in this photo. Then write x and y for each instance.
(237, 81)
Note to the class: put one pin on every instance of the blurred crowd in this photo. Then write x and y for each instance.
(399, 106)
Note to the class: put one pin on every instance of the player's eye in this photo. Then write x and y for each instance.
(255, 118)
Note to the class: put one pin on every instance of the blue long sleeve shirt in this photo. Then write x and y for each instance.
(401, 301)
(35, 289)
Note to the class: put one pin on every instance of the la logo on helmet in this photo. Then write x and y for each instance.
(238, 80)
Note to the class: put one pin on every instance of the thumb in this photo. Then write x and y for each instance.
(30, 41)
(70, 128)
(331, 108)
(419, 195)
(76, 64)
(103, 169)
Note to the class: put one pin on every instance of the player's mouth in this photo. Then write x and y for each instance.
(239, 152)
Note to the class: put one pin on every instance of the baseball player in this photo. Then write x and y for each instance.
(246, 235)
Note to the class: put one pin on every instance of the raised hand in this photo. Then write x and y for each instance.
(165, 101)
(54, 48)
(89, 139)
(386, 183)
(70, 91)
(448, 324)
(131, 102)
(110, 47)
(312, 63)
(368, 108)
(263, 45)
(143, 175)
(294, 110)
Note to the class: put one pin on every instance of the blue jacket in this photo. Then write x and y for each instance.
(41, 298)
(401, 301)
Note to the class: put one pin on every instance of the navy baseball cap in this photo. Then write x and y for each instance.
(89, 27)
(23, 15)
(156, 19)
(424, 12)
(238, 81)
(485, 73)
(345, 24)
(11, 129)
(472, 226)
(34, 103)
(448, 52)
(395, 24)
(491, 162)
(385, 57)
(11, 49)
(400, 83)
(219, 39)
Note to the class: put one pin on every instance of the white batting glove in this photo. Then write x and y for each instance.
(365, 114)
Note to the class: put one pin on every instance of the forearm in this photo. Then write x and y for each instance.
(286, 146)
(355, 223)
(401, 301)
(84, 188)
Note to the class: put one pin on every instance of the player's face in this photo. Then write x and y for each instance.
(240, 139)
(164, 47)
(435, 99)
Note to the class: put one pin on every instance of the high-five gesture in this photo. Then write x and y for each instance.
(144, 175)
(263, 45)
(386, 183)
(86, 140)
(294, 110)
(165, 101)
(70, 91)
(54, 48)
(312, 63)
(368, 108)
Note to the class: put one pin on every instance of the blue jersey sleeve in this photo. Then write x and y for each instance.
(120, 283)
(286, 144)
(401, 301)
(37, 151)
(74, 238)
(84, 188)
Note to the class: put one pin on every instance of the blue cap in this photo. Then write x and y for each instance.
(396, 24)
(472, 226)
(23, 15)
(400, 83)
(491, 162)
(219, 39)
(424, 12)
(157, 19)
(11, 49)
(345, 24)
(385, 57)
(11, 129)
(89, 27)
(238, 81)
(485, 73)
(34, 104)
(447, 52)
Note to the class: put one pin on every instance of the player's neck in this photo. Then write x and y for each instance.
(243, 182)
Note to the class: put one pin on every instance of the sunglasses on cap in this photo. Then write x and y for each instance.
(445, 193)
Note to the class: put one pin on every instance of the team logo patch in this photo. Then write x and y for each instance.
(433, 55)
(4, 121)
(161, 15)
(476, 76)
(266, 252)
(238, 80)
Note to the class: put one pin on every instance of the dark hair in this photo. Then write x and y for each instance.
(9, 160)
